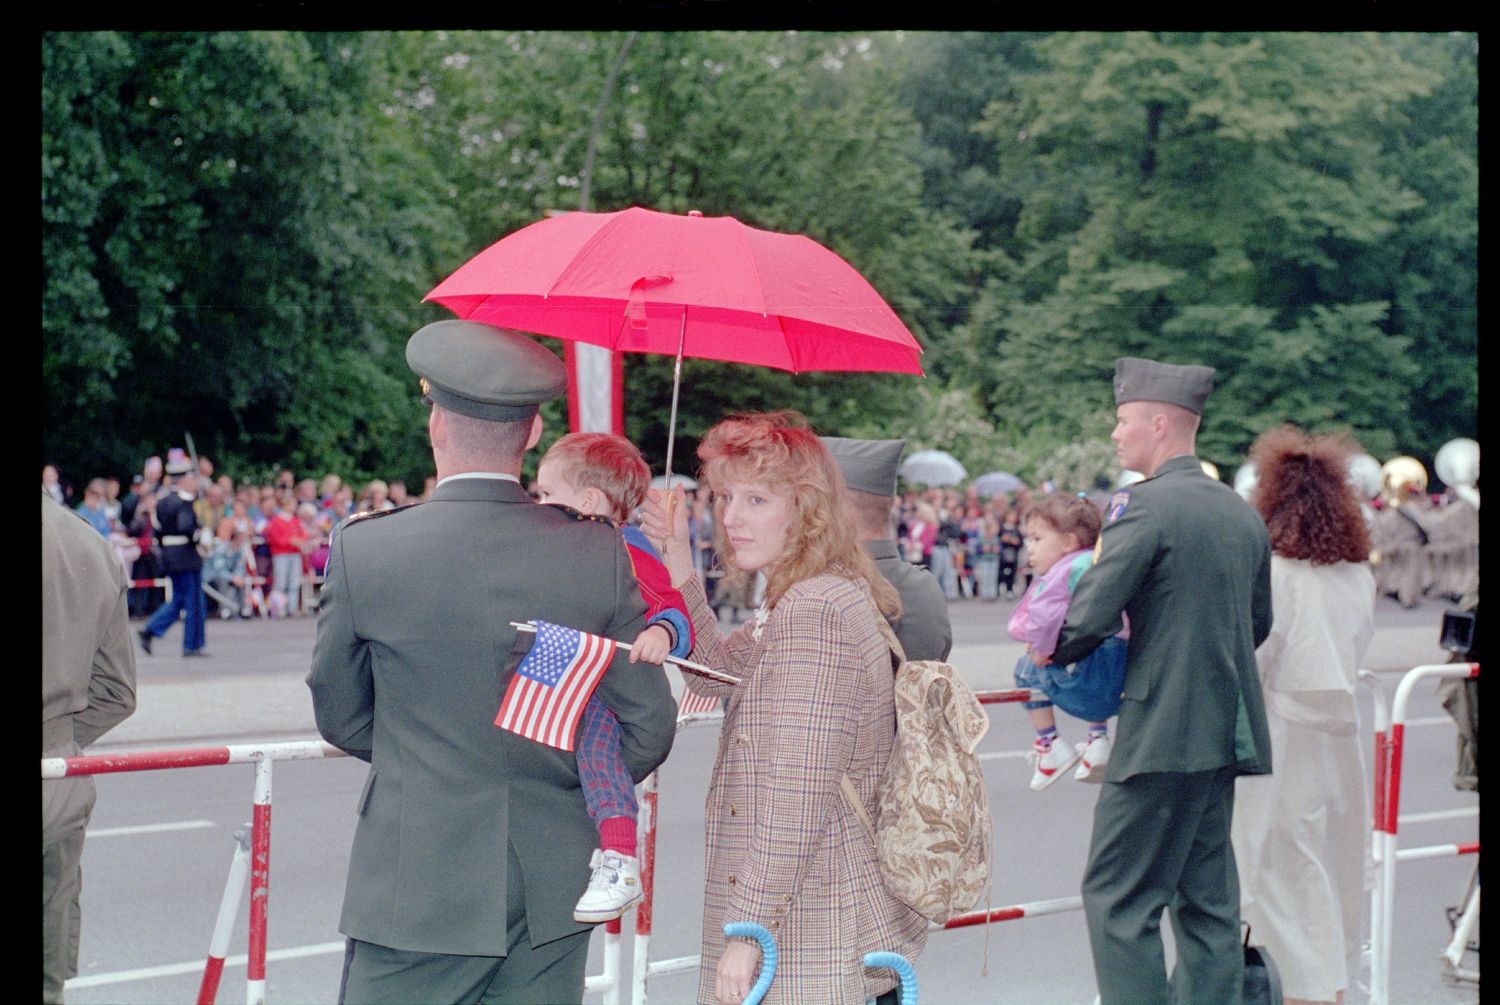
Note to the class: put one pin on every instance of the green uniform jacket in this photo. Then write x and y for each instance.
(924, 629)
(413, 638)
(1190, 562)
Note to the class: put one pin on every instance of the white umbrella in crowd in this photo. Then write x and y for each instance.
(996, 483)
(932, 467)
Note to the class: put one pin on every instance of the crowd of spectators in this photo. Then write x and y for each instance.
(261, 542)
(972, 544)
(264, 541)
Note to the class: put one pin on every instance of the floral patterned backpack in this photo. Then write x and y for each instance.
(933, 830)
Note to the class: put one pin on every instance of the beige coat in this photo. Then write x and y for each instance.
(784, 848)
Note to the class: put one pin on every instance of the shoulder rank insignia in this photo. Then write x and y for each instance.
(1117, 504)
(369, 514)
(576, 515)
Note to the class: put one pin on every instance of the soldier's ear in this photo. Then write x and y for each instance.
(536, 431)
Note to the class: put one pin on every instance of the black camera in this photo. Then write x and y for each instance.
(1457, 635)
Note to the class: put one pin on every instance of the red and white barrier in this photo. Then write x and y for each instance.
(254, 857)
(1390, 735)
(262, 755)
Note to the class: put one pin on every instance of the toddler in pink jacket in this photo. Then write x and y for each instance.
(1060, 534)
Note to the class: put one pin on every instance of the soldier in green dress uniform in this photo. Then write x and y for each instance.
(1189, 562)
(472, 843)
(869, 470)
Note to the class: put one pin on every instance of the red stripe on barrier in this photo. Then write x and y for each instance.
(1393, 777)
(150, 760)
(1007, 695)
(1469, 849)
(260, 889)
(984, 918)
(209, 989)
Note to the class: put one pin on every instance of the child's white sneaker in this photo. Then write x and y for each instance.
(1051, 764)
(614, 888)
(1093, 760)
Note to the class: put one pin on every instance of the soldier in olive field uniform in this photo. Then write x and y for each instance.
(869, 470)
(1189, 561)
(473, 843)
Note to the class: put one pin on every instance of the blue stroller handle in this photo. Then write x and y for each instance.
(750, 930)
(898, 963)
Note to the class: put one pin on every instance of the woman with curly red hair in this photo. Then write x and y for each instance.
(815, 704)
(1299, 834)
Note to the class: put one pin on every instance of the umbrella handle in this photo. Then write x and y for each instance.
(750, 930)
(898, 963)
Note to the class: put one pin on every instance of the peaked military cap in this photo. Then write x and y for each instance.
(1147, 380)
(867, 465)
(486, 372)
(179, 468)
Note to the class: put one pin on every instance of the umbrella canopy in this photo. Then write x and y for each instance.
(996, 483)
(702, 287)
(932, 467)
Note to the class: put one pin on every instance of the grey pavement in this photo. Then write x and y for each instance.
(149, 899)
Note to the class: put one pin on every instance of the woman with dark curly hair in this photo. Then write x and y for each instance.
(1299, 834)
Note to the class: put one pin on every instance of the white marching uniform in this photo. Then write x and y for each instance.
(1300, 834)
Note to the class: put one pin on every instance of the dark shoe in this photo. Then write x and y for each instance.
(145, 637)
(189, 653)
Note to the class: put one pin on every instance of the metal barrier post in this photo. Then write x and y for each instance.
(1386, 885)
(229, 907)
(1378, 850)
(640, 961)
(260, 884)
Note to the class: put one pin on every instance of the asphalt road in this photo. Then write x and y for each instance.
(161, 842)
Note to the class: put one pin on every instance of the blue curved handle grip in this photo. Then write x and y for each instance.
(898, 963)
(750, 930)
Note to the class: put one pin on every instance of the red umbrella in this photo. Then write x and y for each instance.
(705, 287)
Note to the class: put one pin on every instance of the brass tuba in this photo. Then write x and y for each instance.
(1401, 478)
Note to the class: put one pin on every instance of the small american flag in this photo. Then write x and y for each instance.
(693, 703)
(552, 684)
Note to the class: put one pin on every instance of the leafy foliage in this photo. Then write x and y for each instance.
(238, 227)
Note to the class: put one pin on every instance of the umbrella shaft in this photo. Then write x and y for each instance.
(676, 387)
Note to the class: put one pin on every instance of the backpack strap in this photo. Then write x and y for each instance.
(889, 634)
(858, 807)
(899, 654)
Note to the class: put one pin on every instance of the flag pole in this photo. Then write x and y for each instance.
(700, 669)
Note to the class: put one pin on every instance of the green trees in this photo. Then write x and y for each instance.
(1233, 200)
(238, 227)
(226, 231)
